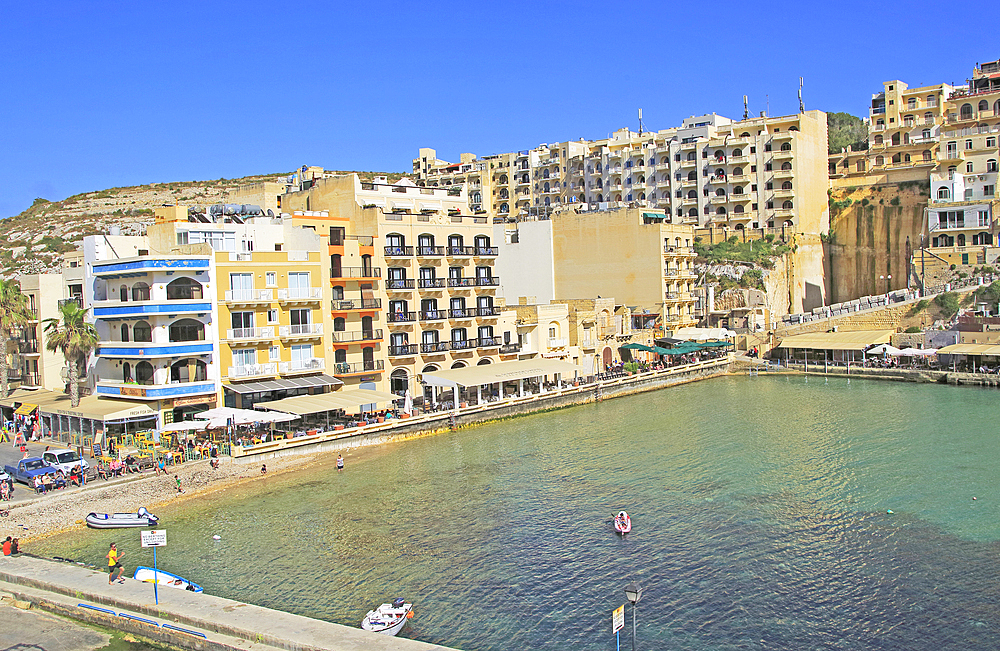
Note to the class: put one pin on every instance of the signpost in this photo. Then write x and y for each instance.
(617, 624)
(158, 538)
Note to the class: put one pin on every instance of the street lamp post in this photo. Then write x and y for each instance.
(633, 593)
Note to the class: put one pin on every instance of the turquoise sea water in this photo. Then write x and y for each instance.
(759, 522)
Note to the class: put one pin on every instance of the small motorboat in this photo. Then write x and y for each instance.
(141, 518)
(623, 523)
(388, 619)
(159, 577)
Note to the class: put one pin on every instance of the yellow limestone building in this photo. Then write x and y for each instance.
(413, 277)
(639, 257)
(271, 292)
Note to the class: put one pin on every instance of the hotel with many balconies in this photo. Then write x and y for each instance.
(412, 276)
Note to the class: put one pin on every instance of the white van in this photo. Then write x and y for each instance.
(65, 460)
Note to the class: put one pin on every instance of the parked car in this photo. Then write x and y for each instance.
(27, 469)
(65, 460)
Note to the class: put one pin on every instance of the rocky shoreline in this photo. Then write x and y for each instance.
(46, 515)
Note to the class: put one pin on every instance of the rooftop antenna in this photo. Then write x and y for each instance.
(802, 107)
(767, 105)
(640, 122)
(746, 108)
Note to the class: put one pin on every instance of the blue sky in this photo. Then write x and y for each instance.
(103, 94)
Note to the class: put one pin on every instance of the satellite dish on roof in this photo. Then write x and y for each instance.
(115, 230)
(270, 213)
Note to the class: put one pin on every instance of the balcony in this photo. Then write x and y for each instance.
(679, 273)
(680, 250)
(302, 365)
(784, 193)
(301, 331)
(461, 283)
(488, 342)
(404, 350)
(149, 264)
(147, 349)
(250, 334)
(355, 272)
(433, 315)
(488, 312)
(430, 251)
(463, 313)
(434, 347)
(358, 368)
(460, 251)
(399, 251)
(355, 304)
(401, 317)
(738, 159)
(253, 370)
(119, 309)
(787, 153)
(147, 391)
(739, 178)
(486, 251)
(300, 294)
(341, 337)
(558, 342)
(432, 283)
(487, 281)
(27, 379)
(249, 296)
(509, 349)
(400, 284)
(27, 346)
(784, 174)
(720, 198)
(33, 313)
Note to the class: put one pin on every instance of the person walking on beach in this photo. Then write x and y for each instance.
(114, 563)
(178, 480)
(263, 469)
(340, 463)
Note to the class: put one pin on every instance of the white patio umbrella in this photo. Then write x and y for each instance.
(407, 402)
(884, 349)
(918, 352)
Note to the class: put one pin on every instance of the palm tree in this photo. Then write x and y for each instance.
(75, 338)
(14, 315)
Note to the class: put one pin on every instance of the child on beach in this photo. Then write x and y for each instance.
(178, 480)
(340, 463)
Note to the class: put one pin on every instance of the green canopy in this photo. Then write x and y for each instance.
(714, 344)
(634, 346)
(680, 350)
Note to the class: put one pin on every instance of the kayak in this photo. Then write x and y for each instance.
(142, 518)
(148, 574)
(388, 619)
(623, 523)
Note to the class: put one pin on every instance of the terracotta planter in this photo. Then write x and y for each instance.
(338, 427)
(381, 419)
(463, 405)
(404, 415)
(289, 435)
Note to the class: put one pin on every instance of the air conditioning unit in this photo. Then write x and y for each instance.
(982, 177)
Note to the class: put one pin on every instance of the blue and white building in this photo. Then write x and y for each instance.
(156, 320)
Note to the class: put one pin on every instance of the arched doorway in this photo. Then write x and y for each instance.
(607, 358)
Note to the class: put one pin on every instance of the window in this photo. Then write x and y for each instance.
(241, 286)
(991, 143)
(991, 165)
(968, 144)
(271, 278)
(879, 139)
(301, 355)
(767, 167)
(274, 353)
(988, 190)
(187, 330)
(925, 134)
(911, 103)
(787, 205)
(242, 323)
(141, 332)
(768, 186)
(298, 284)
(969, 167)
(272, 316)
(943, 193)
(183, 288)
(243, 357)
(787, 185)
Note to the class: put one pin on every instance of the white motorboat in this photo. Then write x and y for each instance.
(149, 575)
(142, 518)
(388, 619)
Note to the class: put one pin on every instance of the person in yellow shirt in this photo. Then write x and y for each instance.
(114, 563)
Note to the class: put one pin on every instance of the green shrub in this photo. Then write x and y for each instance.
(948, 302)
(913, 329)
(919, 306)
(895, 201)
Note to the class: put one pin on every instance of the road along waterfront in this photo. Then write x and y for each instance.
(759, 521)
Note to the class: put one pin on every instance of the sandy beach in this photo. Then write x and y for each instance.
(60, 511)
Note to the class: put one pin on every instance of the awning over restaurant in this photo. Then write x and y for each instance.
(970, 349)
(471, 376)
(285, 383)
(186, 426)
(23, 395)
(314, 404)
(95, 408)
(857, 340)
(25, 409)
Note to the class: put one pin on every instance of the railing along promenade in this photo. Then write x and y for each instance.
(581, 391)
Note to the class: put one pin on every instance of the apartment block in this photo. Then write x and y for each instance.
(640, 257)
(30, 363)
(762, 172)
(422, 276)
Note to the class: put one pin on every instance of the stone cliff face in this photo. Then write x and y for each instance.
(872, 231)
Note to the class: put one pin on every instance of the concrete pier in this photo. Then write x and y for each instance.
(208, 622)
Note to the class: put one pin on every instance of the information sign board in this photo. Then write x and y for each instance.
(153, 538)
(618, 619)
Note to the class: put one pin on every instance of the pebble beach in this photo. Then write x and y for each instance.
(59, 511)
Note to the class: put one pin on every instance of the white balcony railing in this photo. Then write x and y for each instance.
(300, 293)
(250, 333)
(249, 295)
(558, 342)
(314, 364)
(253, 370)
(304, 329)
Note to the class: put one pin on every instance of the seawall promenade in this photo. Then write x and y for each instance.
(427, 423)
(193, 620)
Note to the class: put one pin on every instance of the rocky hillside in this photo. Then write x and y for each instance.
(34, 241)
